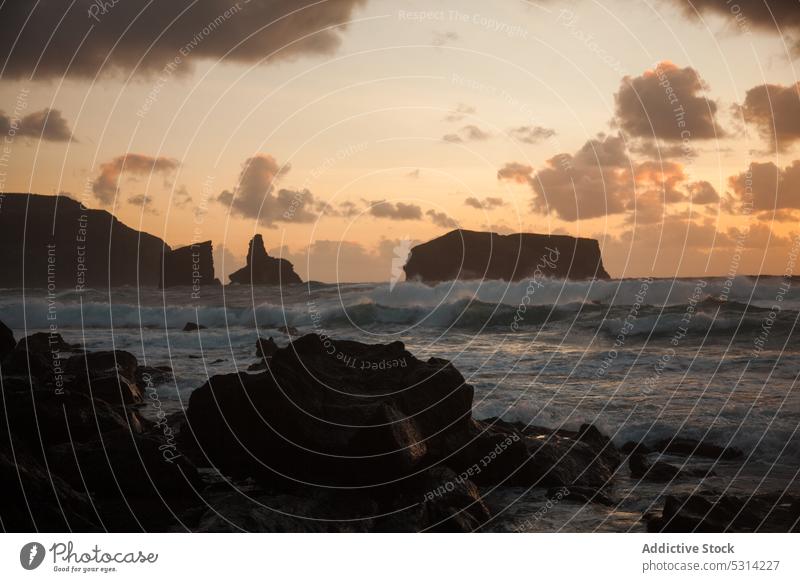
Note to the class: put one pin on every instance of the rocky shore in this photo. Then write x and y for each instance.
(320, 435)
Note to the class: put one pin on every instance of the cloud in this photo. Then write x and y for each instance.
(487, 203)
(780, 17)
(467, 133)
(144, 201)
(775, 111)
(460, 112)
(703, 192)
(105, 185)
(47, 125)
(515, 172)
(399, 211)
(87, 37)
(441, 219)
(413, 174)
(600, 179)
(255, 195)
(443, 38)
(767, 187)
(531, 134)
(666, 103)
(593, 182)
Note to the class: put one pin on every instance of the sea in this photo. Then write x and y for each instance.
(715, 359)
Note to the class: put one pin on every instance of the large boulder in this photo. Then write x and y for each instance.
(262, 269)
(107, 375)
(333, 413)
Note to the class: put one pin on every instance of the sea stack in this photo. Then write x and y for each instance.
(191, 266)
(261, 269)
(469, 255)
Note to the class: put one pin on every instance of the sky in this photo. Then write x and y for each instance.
(345, 130)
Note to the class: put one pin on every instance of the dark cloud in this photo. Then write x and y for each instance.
(531, 134)
(105, 185)
(487, 203)
(781, 17)
(775, 111)
(767, 187)
(441, 219)
(255, 195)
(666, 103)
(515, 172)
(47, 124)
(399, 211)
(49, 39)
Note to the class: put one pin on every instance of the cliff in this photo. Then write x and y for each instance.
(192, 266)
(465, 254)
(261, 269)
(54, 240)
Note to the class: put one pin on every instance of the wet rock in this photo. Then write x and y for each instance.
(7, 341)
(707, 512)
(109, 376)
(46, 343)
(192, 326)
(147, 376)
(692, 447)
(318, 417)
(581, 495)
(35, 499)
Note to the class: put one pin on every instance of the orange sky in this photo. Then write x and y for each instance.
(633, 124)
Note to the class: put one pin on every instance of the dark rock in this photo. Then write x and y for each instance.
(452, 503)
(657, 472)
(265, 348)
(189, 266)
(318, 417)
(261, 269)
(45, 343)
(122, 463)
(686, 447)
(191, 326)
(110, 376)
(35, 499)
(711, 513)
(151, 376)
(464, 254)
(7, 341)
(580, 495)
(631, 447)
(91, 248)
(44, 418)
(317, 512)
(28, 364)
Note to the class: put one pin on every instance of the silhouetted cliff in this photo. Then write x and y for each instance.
(465, 254)
(54, 240)
(261, 269)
